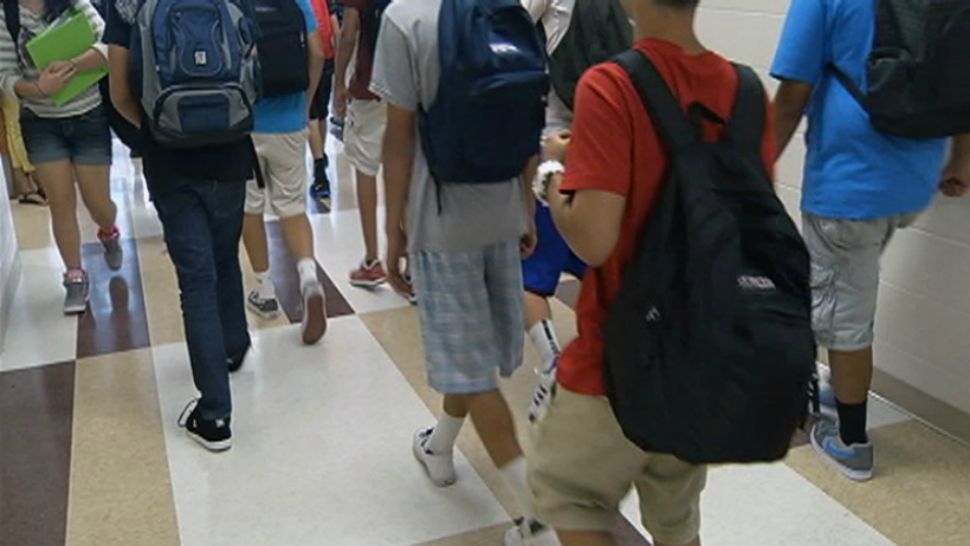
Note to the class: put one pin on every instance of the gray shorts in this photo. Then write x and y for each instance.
(845, 276)
(470, 304)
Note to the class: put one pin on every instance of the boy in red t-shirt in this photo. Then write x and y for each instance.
(329, 28)
(582, 464)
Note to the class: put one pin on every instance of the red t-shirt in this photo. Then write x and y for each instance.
(324, 27)
(616, 149)
(359, 86)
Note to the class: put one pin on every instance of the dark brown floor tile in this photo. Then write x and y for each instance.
(116, 320)
(287, 280)
(36, 407)
(626, 534)
(318, 206)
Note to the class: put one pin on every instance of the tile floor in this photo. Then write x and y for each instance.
(91, 454)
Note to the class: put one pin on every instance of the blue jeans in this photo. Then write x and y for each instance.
(203, 224)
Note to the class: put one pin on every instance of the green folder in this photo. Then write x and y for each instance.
(69, 36)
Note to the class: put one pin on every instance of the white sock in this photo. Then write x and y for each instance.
(516, 477)
(543, 336)
(307, 268)
(264, 286)
(442, 440)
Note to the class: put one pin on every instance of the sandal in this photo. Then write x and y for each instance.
(33, 198)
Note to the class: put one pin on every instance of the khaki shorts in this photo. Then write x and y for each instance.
(364, 135)
(282, 158)
(583, 466)
(845, 276)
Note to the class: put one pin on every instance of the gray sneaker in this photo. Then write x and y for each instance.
(314, 323)
(78, 290)
(113, 254)
(267, 309)
(855, 461)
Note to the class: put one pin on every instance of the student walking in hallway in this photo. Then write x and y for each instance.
(66, 143)
(468, 216)
(280, 137)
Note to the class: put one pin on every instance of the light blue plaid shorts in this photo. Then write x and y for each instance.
(470, 304)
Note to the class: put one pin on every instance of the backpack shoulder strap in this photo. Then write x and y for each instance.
(747, 125)
(665, 111)
(11, 16)
(849, 85)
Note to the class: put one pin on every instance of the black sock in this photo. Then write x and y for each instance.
(852, 422)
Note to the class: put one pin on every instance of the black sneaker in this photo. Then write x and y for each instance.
(321, 182)
(235, 360)
(215, 436)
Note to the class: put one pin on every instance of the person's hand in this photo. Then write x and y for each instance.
(55, 78)
(397, 247)
(529, 241)
(60, 66)
(340, 99)
(555, 146)
(956, 179)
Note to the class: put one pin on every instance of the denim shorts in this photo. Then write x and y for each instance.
(84, 139)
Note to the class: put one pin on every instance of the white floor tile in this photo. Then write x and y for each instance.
(340, 248)
(321, 451)
(39, 333)
(767, 505)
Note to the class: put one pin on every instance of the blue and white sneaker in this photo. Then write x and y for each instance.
(854, 461)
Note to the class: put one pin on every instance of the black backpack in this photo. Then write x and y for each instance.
(282, 47)
(919, 70)
(598, 30)
(709, 350)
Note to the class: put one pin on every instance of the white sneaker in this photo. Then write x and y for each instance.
(530, 533)
(314, 323)
(440, 467)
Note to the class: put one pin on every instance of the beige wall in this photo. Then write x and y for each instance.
(923, 324)
(9, 259)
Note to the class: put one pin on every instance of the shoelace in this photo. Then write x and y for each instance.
(187, 412)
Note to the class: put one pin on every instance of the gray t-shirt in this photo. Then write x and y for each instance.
(406, 74)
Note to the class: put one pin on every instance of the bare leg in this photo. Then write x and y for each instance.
(536, 310)
(94, 182)
(456, 406)
(851, 375)
(254, 239)
(318, 139)
(298, 236)
(367, 202)
(57, 179)
(492, 418)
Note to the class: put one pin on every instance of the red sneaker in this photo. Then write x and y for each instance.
(368, 275)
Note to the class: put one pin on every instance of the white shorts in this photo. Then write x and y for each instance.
(282, 159)
(364, 134)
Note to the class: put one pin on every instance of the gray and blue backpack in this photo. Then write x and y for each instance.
(195, 70)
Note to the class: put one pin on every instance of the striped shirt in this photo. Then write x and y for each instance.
(14, 67)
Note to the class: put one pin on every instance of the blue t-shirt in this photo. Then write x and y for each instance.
(286, 114)
(851, 170)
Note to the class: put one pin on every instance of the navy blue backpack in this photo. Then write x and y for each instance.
(487, 118)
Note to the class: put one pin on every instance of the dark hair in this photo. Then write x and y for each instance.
(54, 8)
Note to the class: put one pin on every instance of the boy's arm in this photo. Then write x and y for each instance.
(956, 176)
(400, 144)
(121, 95)
(315, 61)
(791, 100)
(345, 49)
(589, 220)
